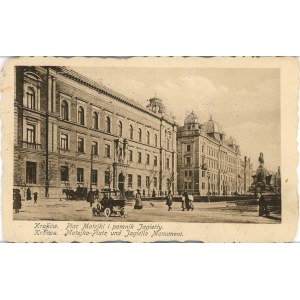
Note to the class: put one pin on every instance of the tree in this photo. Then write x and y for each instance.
(20, 174)
(52, 173)
(153, 174)
(110, 170)
(170, 180)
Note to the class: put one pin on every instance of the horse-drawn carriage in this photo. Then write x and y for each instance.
(111, 204)
(79, 194)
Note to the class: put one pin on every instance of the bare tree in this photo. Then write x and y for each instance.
(110, 169)
(52, 173)
(170, 180)
(19, 175)
(153, 174)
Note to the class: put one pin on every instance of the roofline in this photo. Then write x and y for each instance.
(100, 88)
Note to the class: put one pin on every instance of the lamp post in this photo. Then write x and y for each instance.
(208, 178)
(91, 179)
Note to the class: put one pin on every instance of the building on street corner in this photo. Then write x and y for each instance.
(208, 163)
(71, 132)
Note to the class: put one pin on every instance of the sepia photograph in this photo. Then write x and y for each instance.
(160, 144)
(141, 142)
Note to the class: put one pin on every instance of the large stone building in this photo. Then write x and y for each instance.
(208, 163)
(71, 131)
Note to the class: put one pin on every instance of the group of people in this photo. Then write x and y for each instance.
(17, 199)
(28, 195)
(92, 197)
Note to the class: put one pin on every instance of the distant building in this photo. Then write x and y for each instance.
(71, 131)
(245, 175)
(208, 163)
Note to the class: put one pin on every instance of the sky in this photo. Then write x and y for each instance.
(246, 102)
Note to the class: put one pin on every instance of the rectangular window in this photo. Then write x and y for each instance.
(139, 157)
(203, 185)
(147, 159)
(186, 173)
(190, 173)
(185, 186)
(147, 181)
(64, 173)
(203, 173)
(30, 172)
(64, 141)
(155, 182)
(130, 155)
(80, 174)
(94, 176)
(168, 163)
(95, 148)
(106, 177)
(129, 180)
(139, 181)
(155, 161)
(188, 148)
(107, 150)
(31, 134)
(187, 161)
(80, 146)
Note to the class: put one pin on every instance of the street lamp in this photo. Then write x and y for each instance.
(208, 177)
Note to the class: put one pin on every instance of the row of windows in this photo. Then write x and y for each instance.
(65, 113)
(107, 150)
(81, 121)
(107, 177)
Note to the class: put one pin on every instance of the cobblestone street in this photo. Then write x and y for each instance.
(153, 211)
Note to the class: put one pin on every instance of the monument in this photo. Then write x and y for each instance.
(262, 178)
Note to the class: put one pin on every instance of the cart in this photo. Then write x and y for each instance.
(111, 204)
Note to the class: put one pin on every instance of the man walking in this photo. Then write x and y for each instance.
(35, 197)
(28, 194)
(169, 200)
(263, 209)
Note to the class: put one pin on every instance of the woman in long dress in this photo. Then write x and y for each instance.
(138, 200)
(17, 205)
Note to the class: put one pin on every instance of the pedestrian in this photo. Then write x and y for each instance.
(169, 200)
(28, 194)
(191, 200)
(17, 204)
(263, 209)
(35, 197)
(153, 194)
(186, 200)
(183, 201)
(138, 200)
(90, 198)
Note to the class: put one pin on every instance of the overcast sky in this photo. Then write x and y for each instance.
(246, 102)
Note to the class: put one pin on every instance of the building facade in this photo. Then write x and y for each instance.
(209, 164)
(71, 131)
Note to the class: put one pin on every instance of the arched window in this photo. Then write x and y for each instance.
(148, 138)
(80, 115)
(95, 120)
(131, 132)
(120, 128)
(107, 121)
(140, 135)
(30, 96)
(65, 110)
(155, 140)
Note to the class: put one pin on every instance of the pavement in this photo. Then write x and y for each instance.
(153, 211)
